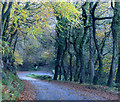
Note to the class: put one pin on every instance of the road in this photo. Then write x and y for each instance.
(51, 91)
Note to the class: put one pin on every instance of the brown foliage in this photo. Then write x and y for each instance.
(29, 92)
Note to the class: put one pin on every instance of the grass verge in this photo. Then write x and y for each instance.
(12, 86)
(42, 77)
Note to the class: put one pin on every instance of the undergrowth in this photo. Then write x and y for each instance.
(12, 86)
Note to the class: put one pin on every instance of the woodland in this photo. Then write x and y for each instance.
(78, 41)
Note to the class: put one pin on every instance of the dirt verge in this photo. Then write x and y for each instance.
(29, 92)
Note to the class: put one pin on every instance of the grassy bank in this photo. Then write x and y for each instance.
(12, 86)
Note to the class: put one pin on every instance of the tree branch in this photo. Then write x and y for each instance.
(113, 7)
(93, 9)
(106, 53)
(103, 18)
(8, 10)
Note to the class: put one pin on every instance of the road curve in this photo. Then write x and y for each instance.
(50, 91)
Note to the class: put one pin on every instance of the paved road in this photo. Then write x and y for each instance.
(50, 91)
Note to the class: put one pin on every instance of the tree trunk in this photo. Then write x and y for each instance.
(91, 61)
(70, 66)
(76, 70)
(115, 29)
(82, 68)
(57, 62)
(62, 59)
(118, 70)
(60, 72)
(4, 26)
(82, 45)
(99, 72)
